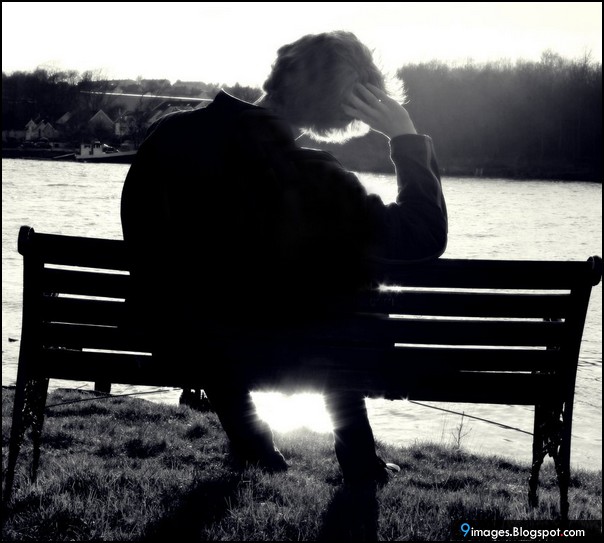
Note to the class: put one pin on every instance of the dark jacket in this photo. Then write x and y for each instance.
(226, 217)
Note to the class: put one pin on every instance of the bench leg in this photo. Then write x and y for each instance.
(538, 456)
(16, 438)
(28, 411)
(563, 471)
(562, 460)
(38, 391)
(549, 438)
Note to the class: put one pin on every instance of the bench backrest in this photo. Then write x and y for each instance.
(448, 330)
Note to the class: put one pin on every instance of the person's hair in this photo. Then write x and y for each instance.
(312, 76)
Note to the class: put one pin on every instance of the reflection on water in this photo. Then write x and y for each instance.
(502, 219)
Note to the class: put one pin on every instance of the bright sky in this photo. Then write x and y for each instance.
(228, 42)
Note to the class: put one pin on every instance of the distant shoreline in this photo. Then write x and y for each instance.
(61, 155)
(37, 154)
(515, 173)
(452, 170)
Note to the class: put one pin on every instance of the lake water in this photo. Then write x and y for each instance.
(494, 218)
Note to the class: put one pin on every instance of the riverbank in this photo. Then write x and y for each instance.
(39, 154)
(371, 154)
(523, 172)
(477, 169)
(125, 469)
(64, 154)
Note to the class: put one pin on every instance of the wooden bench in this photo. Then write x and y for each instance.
(480, 331)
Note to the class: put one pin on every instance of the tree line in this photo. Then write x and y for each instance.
(527, 119)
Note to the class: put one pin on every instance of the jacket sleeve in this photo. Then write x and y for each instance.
(415, 227)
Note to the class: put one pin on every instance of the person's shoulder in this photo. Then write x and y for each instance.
(175, 119)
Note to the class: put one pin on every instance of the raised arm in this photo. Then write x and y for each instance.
(415, 227)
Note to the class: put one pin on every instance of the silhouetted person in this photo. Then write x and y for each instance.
(230, 223)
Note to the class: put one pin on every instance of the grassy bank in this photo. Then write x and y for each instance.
(128, 469)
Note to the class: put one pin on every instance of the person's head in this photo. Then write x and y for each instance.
(312, 76)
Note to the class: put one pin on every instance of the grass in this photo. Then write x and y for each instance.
(125, 469)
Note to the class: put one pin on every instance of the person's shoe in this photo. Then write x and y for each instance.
(273, 462)
(378, 475)
(385, 472)
(269, 460)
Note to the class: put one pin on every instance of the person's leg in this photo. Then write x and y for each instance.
(251, 438)
(354, 441)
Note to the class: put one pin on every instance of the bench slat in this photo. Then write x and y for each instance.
(467, 304)
(74, 336)
(82, 311)
(76, 251)
(445, 359)
(487, 274)
(85, 283)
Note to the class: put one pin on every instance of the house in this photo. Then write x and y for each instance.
(101, 121)
(37, 130)
(30, 130)
(128, 123)
(71, 123)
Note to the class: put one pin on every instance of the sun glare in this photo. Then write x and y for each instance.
(288, 412)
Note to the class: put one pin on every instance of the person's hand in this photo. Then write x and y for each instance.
(376, 109)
